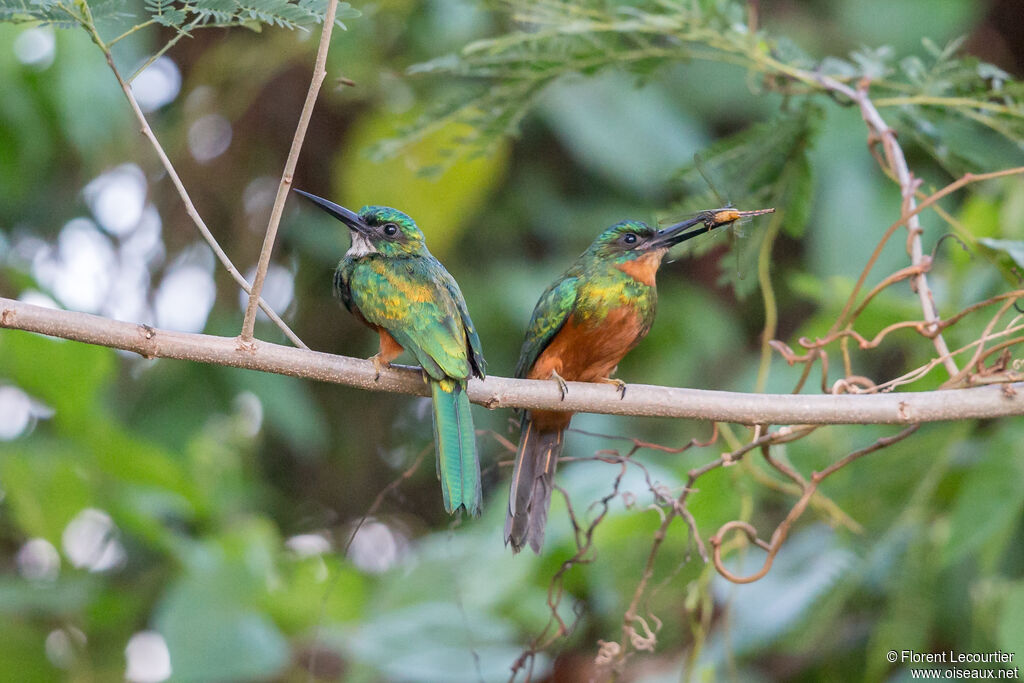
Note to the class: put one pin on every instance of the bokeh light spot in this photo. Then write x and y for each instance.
(37, 298)
(377, 547)
(79, 270)
(209, 137)
(61, 644)
(15, 412)
(36, 47)
(38, 560)
(144, 243)
(117, 198)
(308, 545)
(158, 85)
(149, 660)
(259, 194)
(18, 411)
(249, 410)
(184, 298)
(278, 289)
(90, 541)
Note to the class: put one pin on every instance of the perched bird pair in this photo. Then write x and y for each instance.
(582, 326)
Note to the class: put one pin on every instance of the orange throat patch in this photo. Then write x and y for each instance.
(644, 268)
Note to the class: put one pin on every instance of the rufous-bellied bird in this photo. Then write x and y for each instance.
(391, 283)
(582, 326)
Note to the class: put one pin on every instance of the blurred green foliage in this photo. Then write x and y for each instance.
(226, 500)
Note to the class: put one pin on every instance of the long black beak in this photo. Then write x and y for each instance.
(708, 221)
(349, 218)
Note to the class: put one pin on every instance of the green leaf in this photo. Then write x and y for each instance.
(173, 18)
(46, 487)
(212, 641)
(979, 214)
(23, 654)
(252, 14)
(588, 116)
(888, 23)
(321, 584)
(62, 598)
(1012, 248)
(45, 11)
(436, 641)
(398, 181)
(554, 40)
(210, 617)
(68, 376)
(910, 611)
(89, 105)
(990, 500)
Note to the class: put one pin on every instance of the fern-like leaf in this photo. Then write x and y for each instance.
(551, 39)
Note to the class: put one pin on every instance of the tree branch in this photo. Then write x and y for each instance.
(500, 392)
(319, 73)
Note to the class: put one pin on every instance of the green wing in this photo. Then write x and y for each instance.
(479, 364)
(409, 298)
(551, 312)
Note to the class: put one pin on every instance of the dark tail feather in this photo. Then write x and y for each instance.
(532, 482)
(458, 467)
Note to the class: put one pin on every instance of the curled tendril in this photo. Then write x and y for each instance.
(751, 533)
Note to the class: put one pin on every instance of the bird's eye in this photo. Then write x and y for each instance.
(390, 229)
(629, 238)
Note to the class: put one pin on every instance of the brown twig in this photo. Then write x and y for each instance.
(640, 443)
(782, 531)
(961, 182)
(825, 505)
(865, 385)
(645, 640)
(584, 555)
(864, 343)
(319, 73)
(923, 370)
(978, 356)
(908, 186)
(616, 653)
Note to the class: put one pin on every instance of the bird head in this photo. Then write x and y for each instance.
(624, 241)
(375, 229)
(630, 240)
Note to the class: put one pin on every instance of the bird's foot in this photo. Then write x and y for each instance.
(378, 364)
(563, 388)
(619, 385)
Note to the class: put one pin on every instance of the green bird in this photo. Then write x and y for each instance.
(391, 283)
(582, 326)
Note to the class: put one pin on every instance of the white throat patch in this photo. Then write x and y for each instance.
(361, 246)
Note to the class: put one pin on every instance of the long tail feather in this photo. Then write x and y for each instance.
(458, 467)
(532, 482)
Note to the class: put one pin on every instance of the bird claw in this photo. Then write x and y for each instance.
(563, 388)
(378, 365)
(620, 386)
